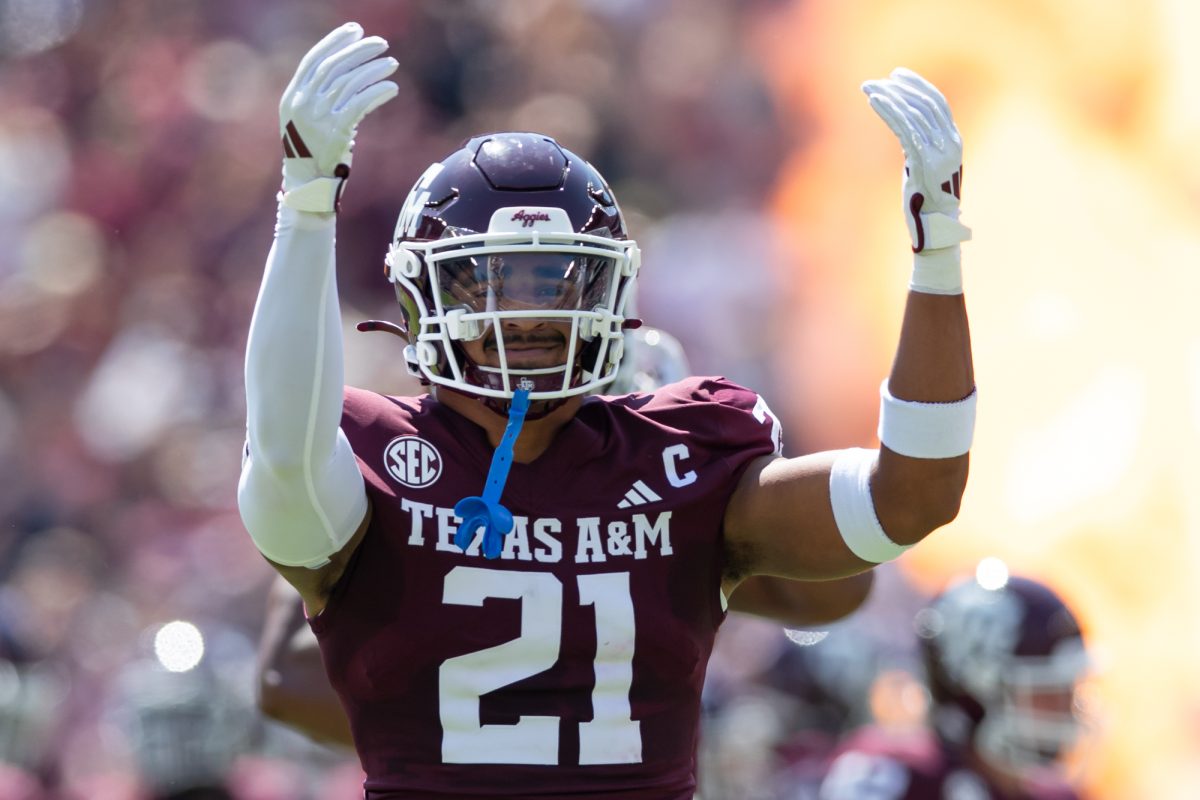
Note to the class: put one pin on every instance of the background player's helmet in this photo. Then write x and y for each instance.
(652, 358)
(831, 673)
(185, 729)
(1003, 665)
(512, 226)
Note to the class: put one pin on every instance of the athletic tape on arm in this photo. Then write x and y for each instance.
(854, 510)
(937, 271)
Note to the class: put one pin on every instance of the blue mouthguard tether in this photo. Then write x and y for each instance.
(486, 512)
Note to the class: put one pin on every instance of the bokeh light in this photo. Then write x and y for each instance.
(179, 646)
(991, 573)
(805, 638)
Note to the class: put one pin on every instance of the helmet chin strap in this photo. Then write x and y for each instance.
(486, 511)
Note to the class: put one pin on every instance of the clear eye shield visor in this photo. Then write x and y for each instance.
(523, 285)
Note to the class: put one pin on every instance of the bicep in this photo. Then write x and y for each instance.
(780, 522)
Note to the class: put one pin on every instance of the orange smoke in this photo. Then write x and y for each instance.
(1079, 121)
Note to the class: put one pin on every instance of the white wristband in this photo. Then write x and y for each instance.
(926, 430)
(937, 271)
(854, 510)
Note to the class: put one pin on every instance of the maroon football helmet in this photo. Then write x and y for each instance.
(1003, 664)
(512, 226)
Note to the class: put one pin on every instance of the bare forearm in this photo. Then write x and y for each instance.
(933, 357)
(933, 364)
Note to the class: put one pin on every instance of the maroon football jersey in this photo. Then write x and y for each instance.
(879, 765)
(571, 665)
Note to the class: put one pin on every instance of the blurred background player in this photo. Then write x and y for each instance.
(779, 702)
(292, 685)
(1004, 657)
(185, 727)
(771, 726)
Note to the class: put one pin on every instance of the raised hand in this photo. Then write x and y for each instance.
(339, 81)
(918, 114)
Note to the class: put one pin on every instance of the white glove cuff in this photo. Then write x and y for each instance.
(926, 430)
(942, 230)
(854, 510)
(319, 196)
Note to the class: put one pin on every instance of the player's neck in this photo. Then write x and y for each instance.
(536, 434)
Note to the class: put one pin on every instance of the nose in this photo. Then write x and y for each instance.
(524, 323)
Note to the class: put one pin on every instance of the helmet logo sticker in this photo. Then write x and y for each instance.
(410, 215)
(412, 461)
(528, 219)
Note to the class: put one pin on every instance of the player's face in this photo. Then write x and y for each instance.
(1056, 707)
(524, 282)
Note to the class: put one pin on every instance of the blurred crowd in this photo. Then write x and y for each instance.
(139, 160)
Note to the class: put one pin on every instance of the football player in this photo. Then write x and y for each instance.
(1003, 664)
(185, 729)
(515, 586)
(293, 688)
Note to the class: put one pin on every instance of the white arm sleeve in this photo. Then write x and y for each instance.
(301, 494)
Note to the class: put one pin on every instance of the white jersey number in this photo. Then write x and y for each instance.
(763, 413)
(611, 737)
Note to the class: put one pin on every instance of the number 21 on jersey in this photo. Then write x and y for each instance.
(610, 737)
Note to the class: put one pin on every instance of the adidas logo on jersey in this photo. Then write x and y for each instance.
(639, 495)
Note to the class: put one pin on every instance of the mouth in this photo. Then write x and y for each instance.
(528, 352)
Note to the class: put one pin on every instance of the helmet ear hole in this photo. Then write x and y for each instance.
(426, 354)
(402, 263)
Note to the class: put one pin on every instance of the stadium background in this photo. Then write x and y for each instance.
(138, 163)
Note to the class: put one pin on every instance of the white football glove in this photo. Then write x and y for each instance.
(339, 81)
(920, 117)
